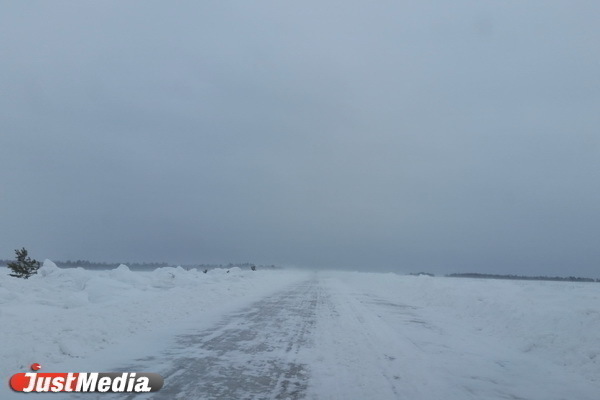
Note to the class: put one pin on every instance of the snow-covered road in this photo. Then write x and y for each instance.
(343, 335)
(331, 337)
(249, 354)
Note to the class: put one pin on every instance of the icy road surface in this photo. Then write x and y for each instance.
(334, 337)
(250, 354)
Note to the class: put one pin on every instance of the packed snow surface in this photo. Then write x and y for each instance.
(315, 335)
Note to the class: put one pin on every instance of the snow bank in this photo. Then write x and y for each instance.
(67, 314)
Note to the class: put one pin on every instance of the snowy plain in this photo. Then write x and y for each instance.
(371, 335)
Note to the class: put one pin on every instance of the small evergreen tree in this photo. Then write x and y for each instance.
(24, 267)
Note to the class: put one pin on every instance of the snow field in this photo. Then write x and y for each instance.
(66, 316)
(370, 335)
(394, 336)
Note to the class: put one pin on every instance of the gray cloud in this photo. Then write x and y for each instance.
(418, 135)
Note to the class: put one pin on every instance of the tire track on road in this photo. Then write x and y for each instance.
(249, 354)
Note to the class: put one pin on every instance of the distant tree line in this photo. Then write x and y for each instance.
(521, 277)
(145, 266)
(101, 265)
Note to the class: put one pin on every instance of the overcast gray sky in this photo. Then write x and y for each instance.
(445, 136)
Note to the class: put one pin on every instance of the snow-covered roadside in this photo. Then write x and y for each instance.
(62, 317)
(393, 336)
